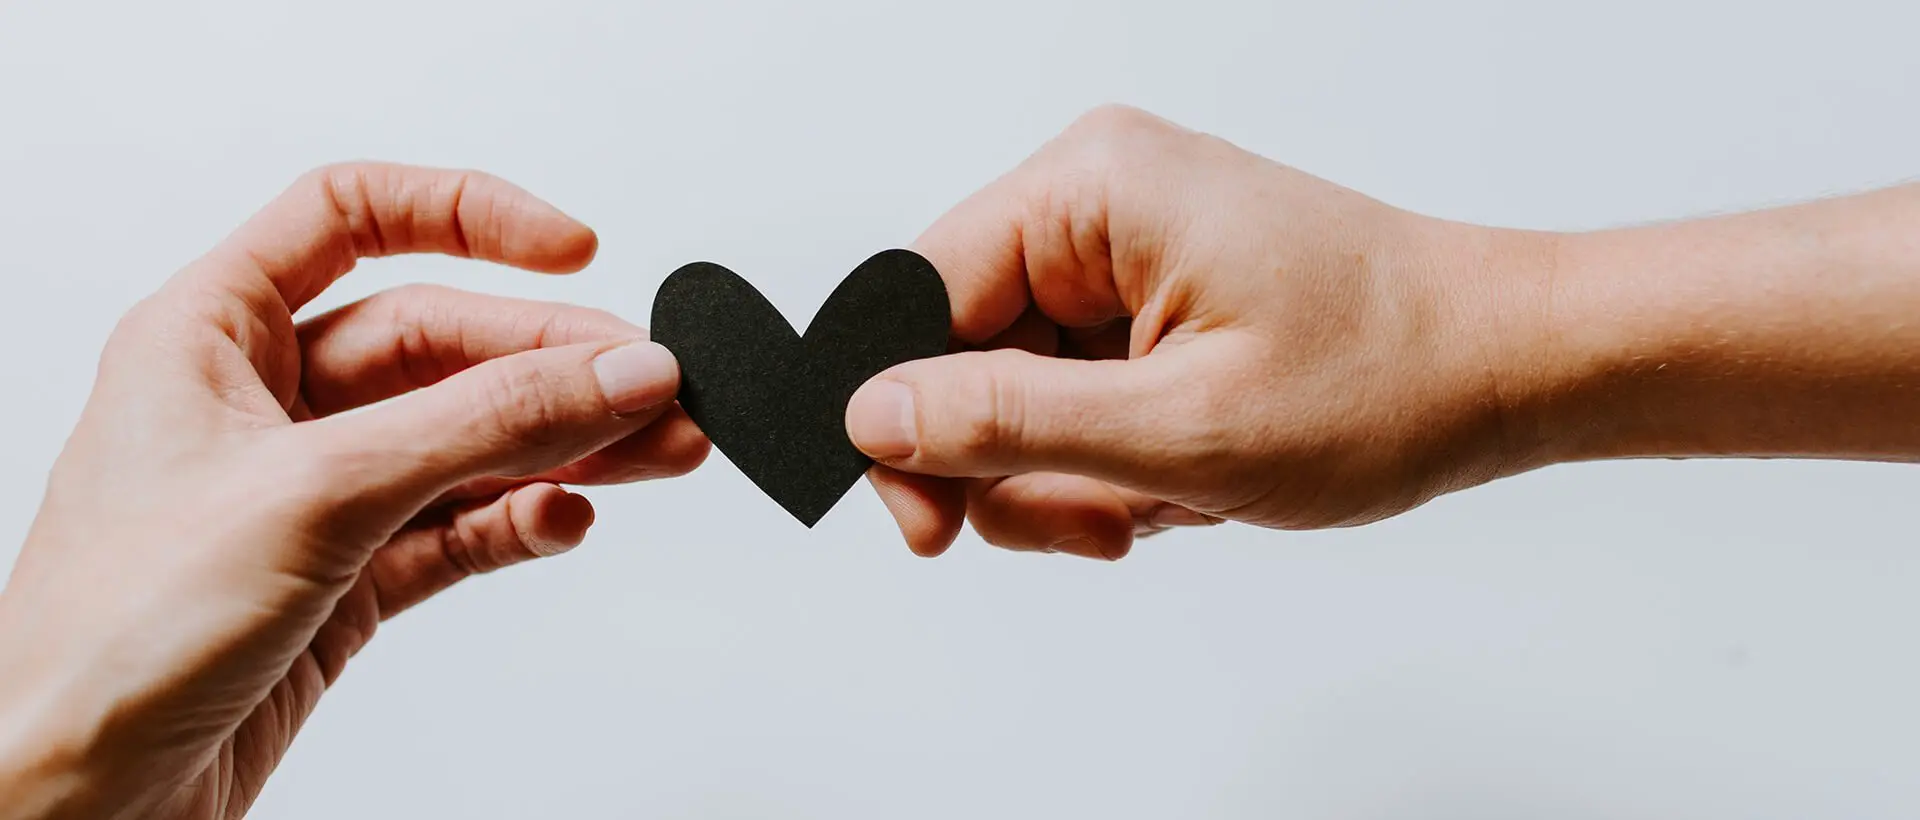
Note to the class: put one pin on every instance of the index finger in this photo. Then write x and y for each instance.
(1049, 232)
(315, 231)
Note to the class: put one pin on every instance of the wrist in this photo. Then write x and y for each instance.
(1497, 287)
(1590, 349)
(1604, 337)
(1573, 344)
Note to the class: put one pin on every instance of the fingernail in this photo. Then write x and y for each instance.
(881, 422)
(1174, 515)
(636, 376)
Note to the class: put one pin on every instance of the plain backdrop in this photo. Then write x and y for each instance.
(1650, 639)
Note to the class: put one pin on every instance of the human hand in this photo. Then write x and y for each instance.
(1168, 330)
(220, 535)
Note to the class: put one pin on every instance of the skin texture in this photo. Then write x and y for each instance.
(220, 535)
(1167, 330)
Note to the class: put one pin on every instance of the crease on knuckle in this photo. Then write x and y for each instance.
(414, 310)
(984, 422)
(461, 545)
(528, 412)
(598, 322)
(458, 236)
(558, 326)
(347, 189)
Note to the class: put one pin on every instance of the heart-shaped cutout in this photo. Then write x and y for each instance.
(775, 401)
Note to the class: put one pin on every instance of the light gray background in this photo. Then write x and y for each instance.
(1640, 639)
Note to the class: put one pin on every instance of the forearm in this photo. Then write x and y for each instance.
(1788, 332)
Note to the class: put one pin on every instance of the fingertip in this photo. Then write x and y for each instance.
(568, 247)
(928, 510)
(577, 250)
(881, 420)
(1101, 536)
(976, 246)
(637, 377)
(540, 237)
(683, 447)
(1053, 512)
(549, 519)
(573, 515)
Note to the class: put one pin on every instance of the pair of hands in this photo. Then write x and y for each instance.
(1165, 331)
(221, 535)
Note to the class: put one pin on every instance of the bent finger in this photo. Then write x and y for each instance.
(929, 510)
(1052, 512)
(1075, 230)
(313, 233)
(404, 339)
(671, 446)
(443, 549)
(519, 415)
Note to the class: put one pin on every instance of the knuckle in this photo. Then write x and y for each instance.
(1102, 153)
(342, 177)
(983, 425)
(1109, 118)
(420, 306)
(599, 318)
(461, 547)
(134, 328)
(419, 293)
(469, 215)
(560, 325)
(975, 433)
(332, 182)
(1111, 136)
(414, 312)
(526, 410)
(319, 178)
(347, 189)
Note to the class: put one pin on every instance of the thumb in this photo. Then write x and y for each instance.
(517, 415)
(1006, 412)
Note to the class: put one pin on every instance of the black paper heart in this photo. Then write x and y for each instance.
(774, 401)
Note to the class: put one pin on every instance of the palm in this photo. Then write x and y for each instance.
(231, 779)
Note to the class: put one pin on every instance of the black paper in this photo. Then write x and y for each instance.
(774, 401)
